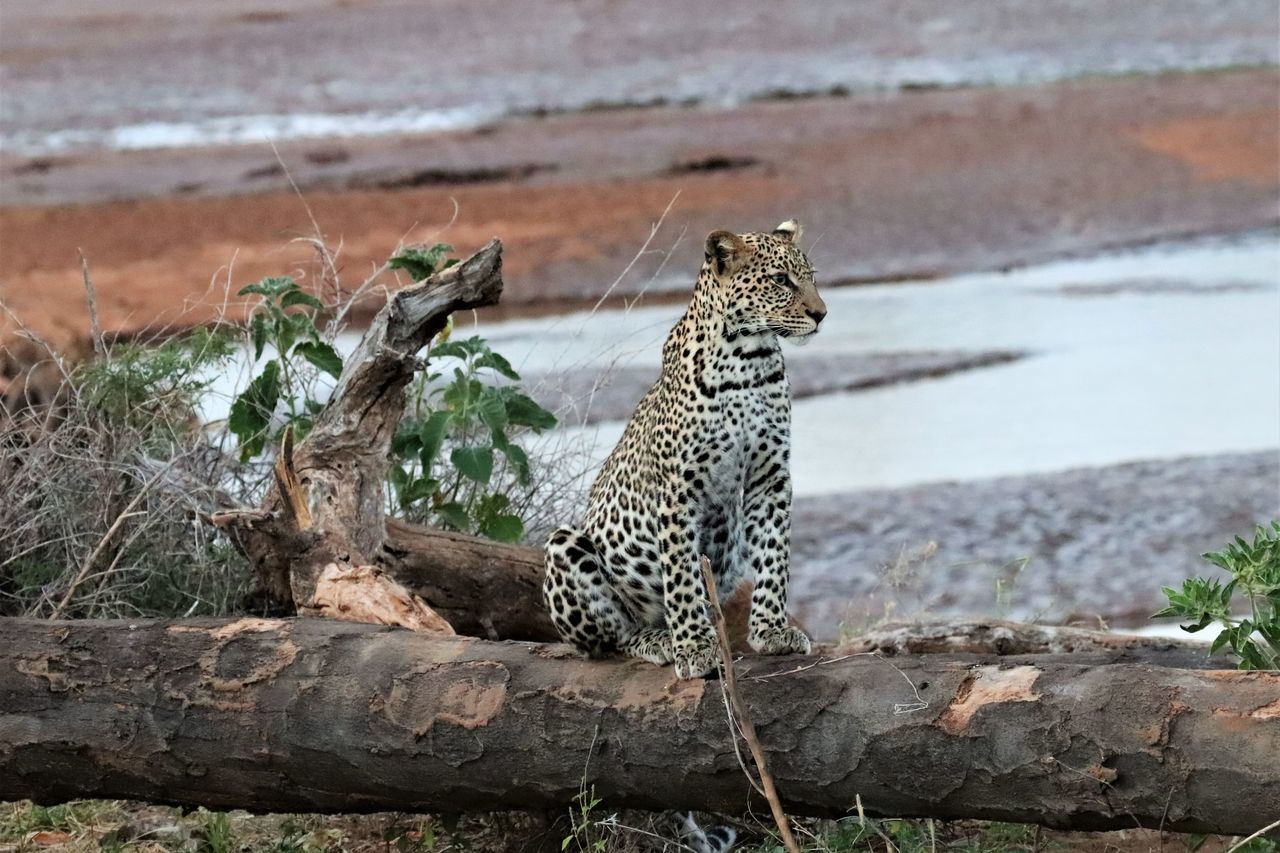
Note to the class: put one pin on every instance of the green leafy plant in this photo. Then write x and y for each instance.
(1254, 569)
(155, 387)
(216, 834)
(455, 457)
(472, 422)
(584, 830)
(422, 261)
(285, 319)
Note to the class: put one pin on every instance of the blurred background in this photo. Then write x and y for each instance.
(1046, 233)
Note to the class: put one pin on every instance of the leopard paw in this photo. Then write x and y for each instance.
(779, 640)
(651, 644)
(696, 659)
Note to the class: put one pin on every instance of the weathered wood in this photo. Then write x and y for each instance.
(483, 588)
(368, 594)
(491, 590)
(320, 716)
(326, 505)
(1002, 638)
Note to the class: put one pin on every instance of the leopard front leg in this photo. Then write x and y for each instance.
(693, 638)
(583, 606)
(767, 545)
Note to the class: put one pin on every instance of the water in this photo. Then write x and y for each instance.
(246, 129)
(152, 76)
(1168, 351)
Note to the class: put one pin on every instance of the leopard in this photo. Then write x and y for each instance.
(702, 468)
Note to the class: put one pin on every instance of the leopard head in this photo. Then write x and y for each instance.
(767, 280)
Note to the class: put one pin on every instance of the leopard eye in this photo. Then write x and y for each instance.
(782, 279)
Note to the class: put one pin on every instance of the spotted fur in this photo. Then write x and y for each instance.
(702, 468)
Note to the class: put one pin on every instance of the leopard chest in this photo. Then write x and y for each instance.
(742, 405)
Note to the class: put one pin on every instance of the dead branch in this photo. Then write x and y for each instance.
(739, 716)
(326, 503)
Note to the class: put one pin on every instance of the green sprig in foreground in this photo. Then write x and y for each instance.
(1254, 569)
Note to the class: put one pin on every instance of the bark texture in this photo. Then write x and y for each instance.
(321, 716)
(1001, 638)
(325, 506)
(483, 588)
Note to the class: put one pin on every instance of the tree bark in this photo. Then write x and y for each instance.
(1000, 637)
(326, 505)
(320, 716)
(483, 588)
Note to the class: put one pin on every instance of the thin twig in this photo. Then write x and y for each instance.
(324, 255)
(102, 544)
(735, 736)
(95, 327)
(1258, 834)
(822, 662)
(875, 827)
(740, 709)
(653, 231)
(899, 708)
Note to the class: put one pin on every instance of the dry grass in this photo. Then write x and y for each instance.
(101, 495)
(97, 825)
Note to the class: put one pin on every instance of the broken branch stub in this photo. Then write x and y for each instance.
(326, 503)
(344, 459)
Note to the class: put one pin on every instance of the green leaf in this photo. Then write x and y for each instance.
(399, 479)
(252, 411)
(322, 356)
(519, 461)
(285, 337)
(492, 410)
(462, 394)
(405, 442)
(491, 505)
(258, 333)
(474, 462)
(1250, 656)
(503, 528)
(431, 434)
(301, 297)
(449, 349)
(1199, 625)
(269, 287)
(420, 262)
(496, 362)
(303, 326)
(454, 515)
(419, 489)
(523, 411)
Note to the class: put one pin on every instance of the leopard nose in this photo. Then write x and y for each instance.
(816, 313)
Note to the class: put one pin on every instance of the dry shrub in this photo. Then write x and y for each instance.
(102, 494)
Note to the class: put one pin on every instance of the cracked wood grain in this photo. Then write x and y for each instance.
(312, 715)
(325, 506)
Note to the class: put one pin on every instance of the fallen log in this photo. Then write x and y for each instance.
(483, 588)
(1001, 638)
(315, 715)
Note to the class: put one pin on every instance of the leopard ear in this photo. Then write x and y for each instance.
(789, 231)
(725, 251)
